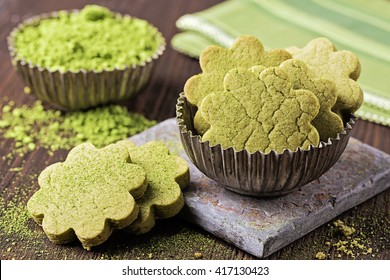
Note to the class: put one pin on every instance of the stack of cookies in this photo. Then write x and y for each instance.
(254, 100)
(95, 191)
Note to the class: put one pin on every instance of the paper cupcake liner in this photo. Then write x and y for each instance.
(82, 89)
(258, 174)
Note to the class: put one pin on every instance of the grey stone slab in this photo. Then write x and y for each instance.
(263, 226)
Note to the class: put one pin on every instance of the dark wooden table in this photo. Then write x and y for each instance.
(23, 239)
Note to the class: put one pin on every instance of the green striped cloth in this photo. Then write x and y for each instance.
(358, 25)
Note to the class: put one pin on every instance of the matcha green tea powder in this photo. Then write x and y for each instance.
(34, 126)
(91, 39)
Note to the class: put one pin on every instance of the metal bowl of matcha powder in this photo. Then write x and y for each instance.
(83, 58)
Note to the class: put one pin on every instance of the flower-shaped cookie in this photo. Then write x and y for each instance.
(167, 174)
(260, 112)
(340, 67)
(88, 195)
(215, 62)
(328, 123)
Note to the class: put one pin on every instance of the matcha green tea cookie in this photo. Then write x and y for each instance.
(88, 195)
(215, 62)
(260, 112)
(328, 123)
(341, 67)
(167, 174)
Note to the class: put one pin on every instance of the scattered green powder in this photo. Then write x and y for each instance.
(168, 240)
(14, 219)
(349, 245)
(347, 241)
(92, 39)
(16, 169)
(34, 126)
(19, 236)
(371, 239)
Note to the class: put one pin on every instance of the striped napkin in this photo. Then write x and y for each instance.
(358, 25)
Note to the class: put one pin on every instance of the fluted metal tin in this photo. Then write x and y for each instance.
(258, 174)
(81, 89)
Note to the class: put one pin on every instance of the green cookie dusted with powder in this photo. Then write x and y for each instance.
(260, 110)
(341, 67)
(215, 62)
(96, 191)
(167, 175)
(88, 195)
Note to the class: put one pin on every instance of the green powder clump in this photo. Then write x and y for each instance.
(343, 228)
(33, 127)
(320, 256)
(350, 245)
(91, 39)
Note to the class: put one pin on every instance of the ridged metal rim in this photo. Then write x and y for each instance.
(258, 174)
(71, 89)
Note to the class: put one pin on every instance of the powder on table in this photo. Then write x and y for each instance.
(91, 39)
(320, 256)
(35, 126)
(14, 217)
(343, 228)
(350, 242)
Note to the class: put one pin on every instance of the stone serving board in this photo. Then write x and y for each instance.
(263, 226)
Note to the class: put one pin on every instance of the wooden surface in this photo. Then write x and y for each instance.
(175, 239)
